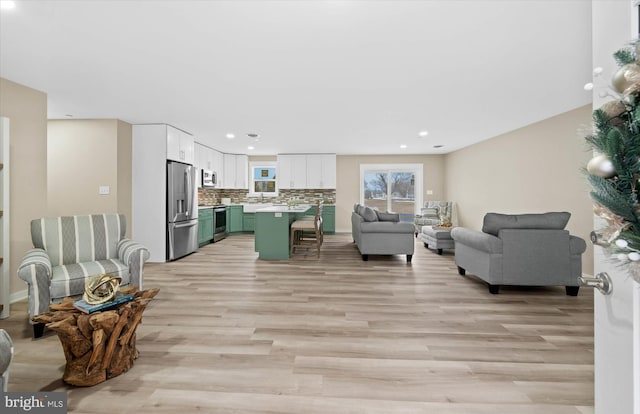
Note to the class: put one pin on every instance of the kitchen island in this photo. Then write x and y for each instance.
(272, 230)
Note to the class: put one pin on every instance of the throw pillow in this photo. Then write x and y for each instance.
(429, 212)
(370, 214)
(387, 216)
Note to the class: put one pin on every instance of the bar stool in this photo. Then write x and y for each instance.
(305, 231)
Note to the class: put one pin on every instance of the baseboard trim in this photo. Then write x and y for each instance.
(19, 296)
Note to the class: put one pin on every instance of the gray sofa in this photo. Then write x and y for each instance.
(521, 249)
(375, 232)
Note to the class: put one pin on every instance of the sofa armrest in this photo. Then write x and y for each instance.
(134, 255)
(577, 245)
(35, 269)
(477, 240)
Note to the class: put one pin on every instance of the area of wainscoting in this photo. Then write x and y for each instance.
(232, 334)
(214, 196)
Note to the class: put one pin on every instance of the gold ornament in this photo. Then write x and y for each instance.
(616, 225)
(101, 288)
(614, 109)
(601, 166)
(625, 77)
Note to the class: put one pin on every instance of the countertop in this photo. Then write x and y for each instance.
(302, 208)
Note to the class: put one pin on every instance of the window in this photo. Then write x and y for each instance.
(263, 179)
(392, 187)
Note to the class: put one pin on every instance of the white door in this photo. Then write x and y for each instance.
(617, 315)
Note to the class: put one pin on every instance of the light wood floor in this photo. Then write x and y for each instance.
(231, 334)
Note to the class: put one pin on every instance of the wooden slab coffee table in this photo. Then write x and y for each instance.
(100, 345)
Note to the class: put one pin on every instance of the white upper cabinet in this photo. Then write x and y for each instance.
(302, 171)
(236, 171)
(180, 146)
(292, 171)
(321, 171)
(242, 171)
(217, 166)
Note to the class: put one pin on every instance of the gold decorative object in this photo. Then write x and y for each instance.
(615, 226)
(625, 77)
(614, 109)
(101, 288)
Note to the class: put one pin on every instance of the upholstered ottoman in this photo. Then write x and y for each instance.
(437, 238)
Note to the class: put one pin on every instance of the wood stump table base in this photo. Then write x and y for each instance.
(100, 345)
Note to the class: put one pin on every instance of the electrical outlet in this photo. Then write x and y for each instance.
(429, 192)
(103, 190)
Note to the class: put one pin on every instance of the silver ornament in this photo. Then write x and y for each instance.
(601, 166)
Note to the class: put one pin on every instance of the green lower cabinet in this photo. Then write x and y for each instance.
(234, 219)
(329, 219)
(248, 222)
(205, 226)
(272, 234)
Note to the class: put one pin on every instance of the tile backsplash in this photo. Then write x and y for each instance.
(213, 196)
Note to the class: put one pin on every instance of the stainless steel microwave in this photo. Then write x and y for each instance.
(208, 178)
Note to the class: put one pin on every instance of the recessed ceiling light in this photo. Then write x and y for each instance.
(251, 147)
(423, 133)
(230, 136)
(438, 146)
(7, 4)
(403, 146)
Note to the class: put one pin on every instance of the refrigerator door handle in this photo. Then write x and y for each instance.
(182, 225)
(190, 194)
(187, 190)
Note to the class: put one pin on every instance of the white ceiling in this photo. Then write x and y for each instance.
(351, 77)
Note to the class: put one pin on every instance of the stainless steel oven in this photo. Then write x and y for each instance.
(219, 223)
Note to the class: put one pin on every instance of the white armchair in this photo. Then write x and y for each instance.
(6, 355)
(435, 213)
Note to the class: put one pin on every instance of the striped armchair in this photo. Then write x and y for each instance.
(435, 213)
(69, 249)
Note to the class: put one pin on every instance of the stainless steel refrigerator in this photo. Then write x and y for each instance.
(182, 210)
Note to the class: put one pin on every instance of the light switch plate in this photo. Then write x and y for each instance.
(429, 192)
(103, 190)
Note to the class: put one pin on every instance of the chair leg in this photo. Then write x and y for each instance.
(38, 330)
(461, 271)
(292, 241)
(409, 257)
(494, 289)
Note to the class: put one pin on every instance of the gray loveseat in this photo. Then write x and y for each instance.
(375, 232)
(521, 249)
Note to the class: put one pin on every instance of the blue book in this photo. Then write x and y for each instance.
(120, 298)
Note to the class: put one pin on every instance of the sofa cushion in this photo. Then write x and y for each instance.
(494, 222)
(388, 227)
(69, 279)
(369, 214)
(387, 216)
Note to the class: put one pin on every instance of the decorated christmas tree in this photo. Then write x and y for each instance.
(614, 171)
